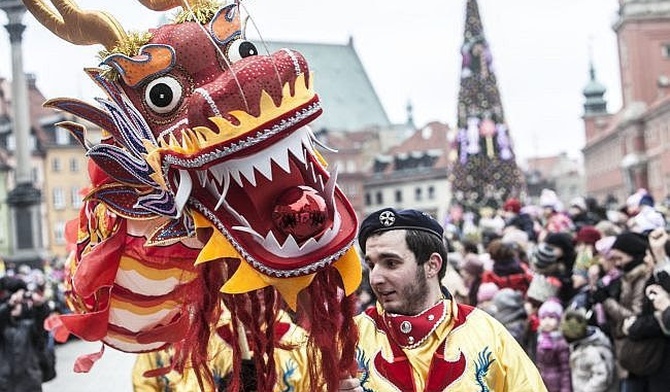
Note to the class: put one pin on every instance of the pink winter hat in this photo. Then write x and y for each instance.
(550, 308)
(487, 291)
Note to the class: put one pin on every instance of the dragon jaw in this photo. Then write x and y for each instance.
(232, 178)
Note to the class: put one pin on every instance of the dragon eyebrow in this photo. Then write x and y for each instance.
(153, 59)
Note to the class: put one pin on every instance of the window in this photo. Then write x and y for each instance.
(398, 196)
(74, 165)
(418, 194)
(59, 233)
(431, 193)
(58, 198)
(55, 165)
(379, 198)
(351, 166)
(368, 199)
(665, 50)
(62, 136)
(76, 197)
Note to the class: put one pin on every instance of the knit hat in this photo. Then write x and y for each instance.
(542, 288)
(548, 198)
(563, 241)
(579, 202)
(633, 200)
(550, 308)
(519, 237)
(604, 245)
(508, 300)
(512, 205)
(486, 291)
(574, 324)
(631, 244)
(646, 220)
(588, 235)
(544, 256)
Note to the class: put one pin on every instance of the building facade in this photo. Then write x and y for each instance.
(413, 174)
(630, 149)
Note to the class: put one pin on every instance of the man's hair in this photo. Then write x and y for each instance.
(424, 244)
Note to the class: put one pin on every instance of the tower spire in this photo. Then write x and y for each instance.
(485, 171)
(594, 92)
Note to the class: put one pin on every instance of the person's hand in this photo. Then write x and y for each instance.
(627, 322)
(350, 384)
(658, 296)
(657, 239)
(602, 291)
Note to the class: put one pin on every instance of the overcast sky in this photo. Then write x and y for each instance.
(411, 52)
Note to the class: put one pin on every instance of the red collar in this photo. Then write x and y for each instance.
(411, 331)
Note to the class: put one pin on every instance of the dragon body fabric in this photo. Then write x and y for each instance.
(206, 188)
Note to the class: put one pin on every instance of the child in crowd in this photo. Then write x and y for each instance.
(553, 352)
(591, 353)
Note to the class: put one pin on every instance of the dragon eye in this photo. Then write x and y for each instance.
(239, 49)
(163, 94)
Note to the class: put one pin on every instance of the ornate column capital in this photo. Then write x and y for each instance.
(15, 32)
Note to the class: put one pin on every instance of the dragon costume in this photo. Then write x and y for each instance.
(206, 188)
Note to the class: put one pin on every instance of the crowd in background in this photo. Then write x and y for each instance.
(583, 290)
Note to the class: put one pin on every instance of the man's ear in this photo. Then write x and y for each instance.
(433, 265)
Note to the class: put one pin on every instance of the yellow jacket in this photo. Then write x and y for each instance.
(467, 351)
(290, 364)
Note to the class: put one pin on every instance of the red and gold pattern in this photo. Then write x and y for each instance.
(207, 167)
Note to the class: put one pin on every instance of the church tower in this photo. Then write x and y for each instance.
(485, 170)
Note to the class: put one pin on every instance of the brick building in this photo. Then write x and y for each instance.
(630, 149)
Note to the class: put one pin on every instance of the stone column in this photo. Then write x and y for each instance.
(24, 200)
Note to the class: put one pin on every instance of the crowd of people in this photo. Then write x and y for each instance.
(27, 353)
(526, 298)
(582, 290)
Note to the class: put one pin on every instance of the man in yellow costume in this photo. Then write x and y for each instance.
(418, 338)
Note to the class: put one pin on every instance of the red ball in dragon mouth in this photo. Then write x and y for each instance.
(301, 212)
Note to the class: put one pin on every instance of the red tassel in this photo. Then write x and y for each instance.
(84, 363)
(55, 325)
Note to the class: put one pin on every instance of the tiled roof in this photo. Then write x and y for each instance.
(426, 148)
(348, 98)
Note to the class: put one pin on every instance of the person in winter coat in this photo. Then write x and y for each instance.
(553, 353)
(508, 308)
(555, 256)
(22, 337)
(521, 220)
(624, 297)
(648, 324)
(591, 353)
(507, 270)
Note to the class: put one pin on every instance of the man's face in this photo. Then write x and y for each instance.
(398, 282)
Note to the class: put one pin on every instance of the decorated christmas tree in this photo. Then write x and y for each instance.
(485, 172)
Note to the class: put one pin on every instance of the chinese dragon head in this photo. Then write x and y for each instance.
(206, 187)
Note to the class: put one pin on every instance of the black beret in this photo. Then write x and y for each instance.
(391, 219)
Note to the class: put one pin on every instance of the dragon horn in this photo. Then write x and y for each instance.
(162, 5)
(76, 25)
